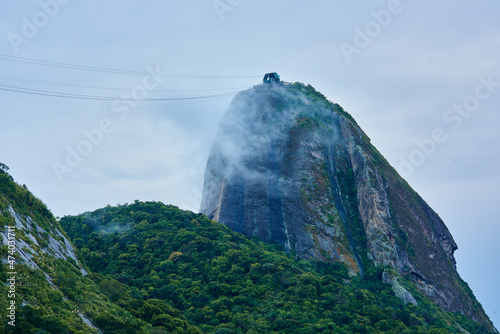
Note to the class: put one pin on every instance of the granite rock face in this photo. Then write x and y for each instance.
(59, 247)
(295, 169)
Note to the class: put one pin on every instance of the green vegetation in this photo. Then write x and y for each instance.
(320, 100)
(53, 297)
(26, 204)
(349, 193)
(3, 168)
(55, 310)
(157, 269)
(162, 264)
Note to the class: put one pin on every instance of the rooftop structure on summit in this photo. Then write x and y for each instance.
(271, 78)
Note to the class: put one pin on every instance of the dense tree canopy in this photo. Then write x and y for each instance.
(171, 268)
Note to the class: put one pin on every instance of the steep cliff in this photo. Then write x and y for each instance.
(46, 288)
(295, 169)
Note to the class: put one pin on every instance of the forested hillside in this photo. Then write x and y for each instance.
(53, 292)
(153, 268)
(159, 262)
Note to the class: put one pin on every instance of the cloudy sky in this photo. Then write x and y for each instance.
(108, 102)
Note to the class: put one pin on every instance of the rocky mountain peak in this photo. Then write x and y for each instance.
(295, 169)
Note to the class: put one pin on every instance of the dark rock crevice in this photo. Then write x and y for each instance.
(336, 194)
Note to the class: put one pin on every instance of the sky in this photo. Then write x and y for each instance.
(107, 102)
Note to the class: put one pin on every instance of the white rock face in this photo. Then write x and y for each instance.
(60, 249)
(398, 289)
(89, 322)
(28, 248)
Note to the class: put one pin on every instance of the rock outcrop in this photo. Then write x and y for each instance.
(39, 242)
(294, 169)
(35, 249)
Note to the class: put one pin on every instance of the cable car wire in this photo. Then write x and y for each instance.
(117, 71)
(101, 88)
(40, 92)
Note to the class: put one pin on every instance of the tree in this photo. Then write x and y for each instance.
(3, 168)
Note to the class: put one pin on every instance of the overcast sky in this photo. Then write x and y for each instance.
(421, 78)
